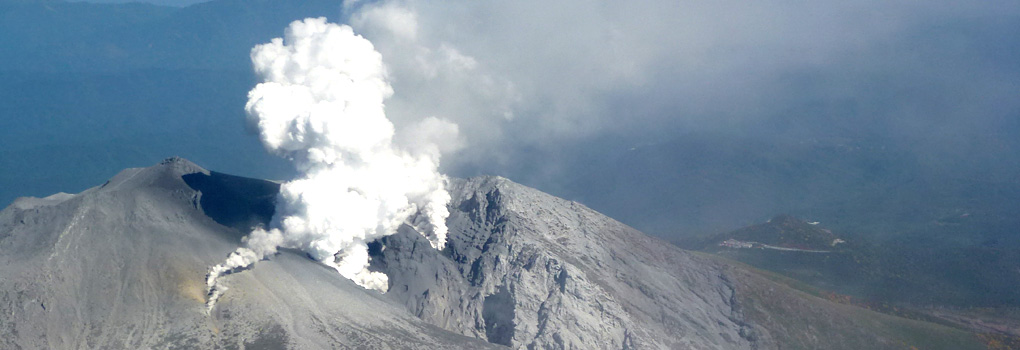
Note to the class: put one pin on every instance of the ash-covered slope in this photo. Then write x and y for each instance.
(526, 269)
(122, 266)
(529, 270)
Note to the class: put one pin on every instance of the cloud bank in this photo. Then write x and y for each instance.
(525, 74)
(535, 86)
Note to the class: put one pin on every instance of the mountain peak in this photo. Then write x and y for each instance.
(165, 174)
(525, 269)
(182, 166)
(122, 266)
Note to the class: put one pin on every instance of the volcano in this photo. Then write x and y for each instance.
(122, 266)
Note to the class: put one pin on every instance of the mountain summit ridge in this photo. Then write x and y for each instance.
(544, 272)
(122, 265)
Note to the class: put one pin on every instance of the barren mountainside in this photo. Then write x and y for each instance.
(122, 265)
(526, 269)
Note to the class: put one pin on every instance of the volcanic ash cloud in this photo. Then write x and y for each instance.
(320, 105)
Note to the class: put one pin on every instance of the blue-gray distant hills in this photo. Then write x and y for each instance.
(122, 266)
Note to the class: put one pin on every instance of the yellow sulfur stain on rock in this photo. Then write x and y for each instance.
(190, 283)
(193, 289)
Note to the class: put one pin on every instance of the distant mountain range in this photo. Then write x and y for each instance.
(122, 265)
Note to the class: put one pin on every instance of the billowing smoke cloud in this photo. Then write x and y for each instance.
(320, 105)
(556, 94)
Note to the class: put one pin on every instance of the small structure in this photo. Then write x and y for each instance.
(732, 243)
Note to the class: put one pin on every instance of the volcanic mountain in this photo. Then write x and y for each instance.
(122, 266)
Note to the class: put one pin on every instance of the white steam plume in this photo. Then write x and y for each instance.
(320, 105)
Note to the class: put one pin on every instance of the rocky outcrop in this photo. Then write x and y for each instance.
(529, 270)
(122, 266)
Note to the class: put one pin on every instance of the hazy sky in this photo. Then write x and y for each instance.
(531, 73)
(536, 86)
(175, 3)
(672, 116)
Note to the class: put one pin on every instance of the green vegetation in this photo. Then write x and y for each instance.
(925, 280)
(799, 319)
(910, 269)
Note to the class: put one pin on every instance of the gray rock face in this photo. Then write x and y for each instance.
(122, 266)
(528, 270)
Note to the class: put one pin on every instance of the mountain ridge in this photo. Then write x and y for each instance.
(122, 265)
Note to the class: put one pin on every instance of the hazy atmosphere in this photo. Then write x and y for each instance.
(410, 174)
(677, 118)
